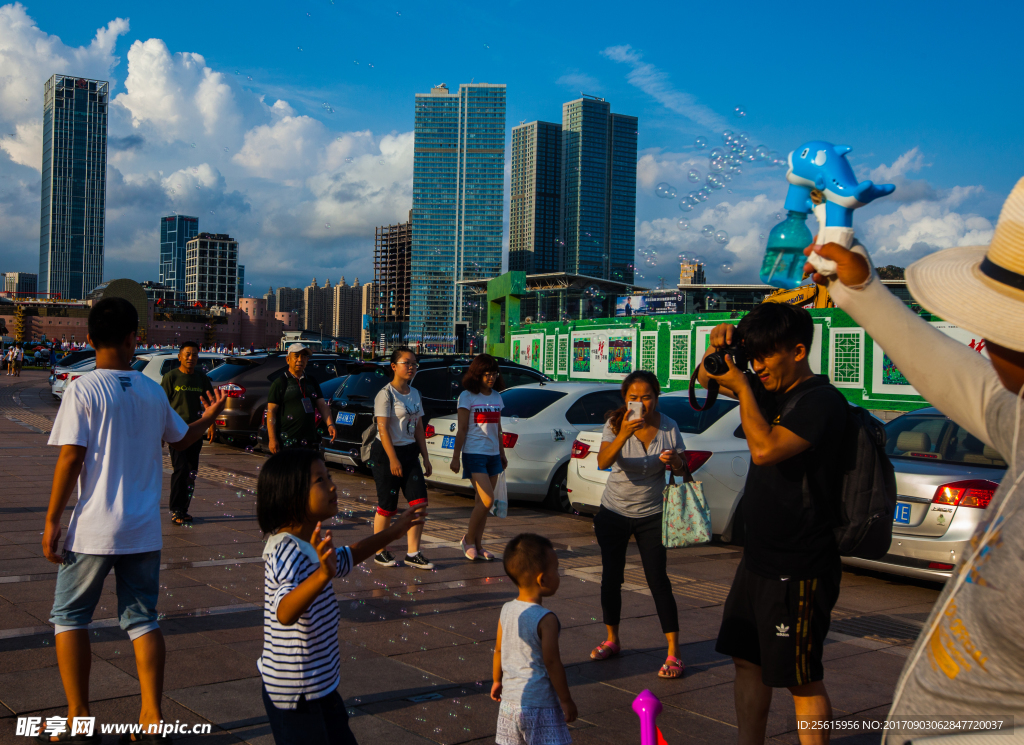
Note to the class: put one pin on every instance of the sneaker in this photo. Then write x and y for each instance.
(418, 561)
(384, 559)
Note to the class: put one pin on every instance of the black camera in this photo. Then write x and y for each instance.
(715, 362)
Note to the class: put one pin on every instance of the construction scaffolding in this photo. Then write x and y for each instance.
(392, 266)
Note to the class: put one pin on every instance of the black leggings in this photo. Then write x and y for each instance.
(613, 531)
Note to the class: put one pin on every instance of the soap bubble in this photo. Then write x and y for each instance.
(717, 153)
(694, 198)
(701, 142)
(761, 151)
(716, 164)
(727, 135)
(721, 237)
(773, 155)
(707, 231)
(742, 138)
(778, 215)
(714, 181)
(693, 176)
(685, 205)
(683, 224)
(665, 191)
(740, 111)
(726, 267)
(703, 193)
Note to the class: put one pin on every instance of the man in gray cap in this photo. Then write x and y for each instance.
(968, 663)
(292, 404)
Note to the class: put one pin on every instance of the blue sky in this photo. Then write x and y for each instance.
(928, 95)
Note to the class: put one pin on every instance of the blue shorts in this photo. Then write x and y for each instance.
(474, 463)
(80, 583)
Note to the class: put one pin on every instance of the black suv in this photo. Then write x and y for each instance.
(247, 381)
(439, 381)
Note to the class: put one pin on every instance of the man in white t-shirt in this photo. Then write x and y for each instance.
(109, 428)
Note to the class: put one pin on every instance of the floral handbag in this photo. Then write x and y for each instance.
(685, 517)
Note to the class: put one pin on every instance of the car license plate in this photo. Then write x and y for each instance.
(349, 418)
(902, 516)
(448, 443)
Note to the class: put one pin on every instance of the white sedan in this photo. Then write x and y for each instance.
(62, 376)
(154, 365)
(539, 423)
(716, 451)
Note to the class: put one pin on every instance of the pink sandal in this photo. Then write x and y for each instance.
(469, 551)
(604, 650)
(486, 555)
(673, 668)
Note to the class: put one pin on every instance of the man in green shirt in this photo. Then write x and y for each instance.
(185, 386)
(292, 404)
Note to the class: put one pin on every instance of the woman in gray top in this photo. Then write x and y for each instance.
(638, 450)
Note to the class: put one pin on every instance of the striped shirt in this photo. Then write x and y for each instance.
(302, 659)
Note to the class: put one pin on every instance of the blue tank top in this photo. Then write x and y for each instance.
(524, 680)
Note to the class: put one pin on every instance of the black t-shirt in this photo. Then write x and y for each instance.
(296, 425)
(185, 392)
(789, 529)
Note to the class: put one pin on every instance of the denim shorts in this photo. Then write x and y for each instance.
(80, 583)
(474, 463)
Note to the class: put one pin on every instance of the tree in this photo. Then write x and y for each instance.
(890, 272)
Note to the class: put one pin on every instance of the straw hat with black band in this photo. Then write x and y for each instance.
(980, 288)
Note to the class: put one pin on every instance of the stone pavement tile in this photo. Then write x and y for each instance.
(19, 660)
(721, 572)
(467, 599)
(636, 672)
(478, 625)
(462, 665)
(229, 705)
(592, 698)
(461, 716)
(387, 678)
(111, 643)
(251, 649)
(408, 635)
(16, 617)
(176, 578)
(184, 667)
(634, 605)
(870, 666)
(28, 592)
(11, 552)
(716, 702)
(575, 646)
(42, 688)
(834, 650)
(870, 599)
(371, 729)
(259, 734)
(184, 599)
(33, 565)
(622, 727)
(32, 534)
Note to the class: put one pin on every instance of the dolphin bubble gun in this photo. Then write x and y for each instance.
(648, 707)
(820, 166)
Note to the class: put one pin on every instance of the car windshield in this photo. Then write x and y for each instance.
(937, 439)
(690, 421)
(364, 386)
(140, 365)
(331, 388)
(231, 368)
(527, 402)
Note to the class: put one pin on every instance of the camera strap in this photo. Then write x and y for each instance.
(712, 396)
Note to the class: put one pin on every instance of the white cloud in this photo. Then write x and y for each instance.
(656, 83)
(579, 81)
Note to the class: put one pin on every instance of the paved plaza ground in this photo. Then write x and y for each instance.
(405, 634)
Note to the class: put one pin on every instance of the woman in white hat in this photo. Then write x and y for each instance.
(969, 658)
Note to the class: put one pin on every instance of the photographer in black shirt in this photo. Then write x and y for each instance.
(778, 610)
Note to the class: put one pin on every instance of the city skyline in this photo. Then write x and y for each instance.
(303, 150)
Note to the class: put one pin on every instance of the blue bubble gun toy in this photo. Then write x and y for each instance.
(821, 166)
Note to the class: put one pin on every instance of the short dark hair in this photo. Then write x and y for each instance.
(186, 344)
(397, 354)
(774, 327)
(111, 320)
(482, 363)
(615, 416)
(282, 490)
(526, 556)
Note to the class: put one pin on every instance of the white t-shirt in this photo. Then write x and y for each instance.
(484, 422)
(120, 417)
(402, 411)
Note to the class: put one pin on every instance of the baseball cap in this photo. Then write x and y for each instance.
(296, 348)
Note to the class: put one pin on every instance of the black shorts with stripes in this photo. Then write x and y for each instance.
(779, 624)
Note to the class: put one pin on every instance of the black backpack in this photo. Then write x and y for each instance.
(868, 488)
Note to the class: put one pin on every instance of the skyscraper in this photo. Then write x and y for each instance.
(346, 308)
(534, 207)
(318, 308)
(175, 232)
(598, 190)
(291, 300)
(74, 188)
(271, 298)
(211, 270)
(392, 279)
(457, 195)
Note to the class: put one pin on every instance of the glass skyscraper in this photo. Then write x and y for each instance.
(74, 183)
(457, 195)
(598, 190)
(175, 232)
(533, 243)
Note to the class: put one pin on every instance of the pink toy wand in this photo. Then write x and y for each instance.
(648, 707)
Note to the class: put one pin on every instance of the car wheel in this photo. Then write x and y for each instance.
(558, 497)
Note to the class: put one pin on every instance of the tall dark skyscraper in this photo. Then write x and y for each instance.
(534, 207)
(175, 232)
(598, 190)
(74, 186)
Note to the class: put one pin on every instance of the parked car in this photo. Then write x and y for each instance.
(155, 365)
(439, 381)
(246, 380)
(329, 388)
(73, 358)
(945, 478)
(539, 424)
(716, 453)
(61, 375)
